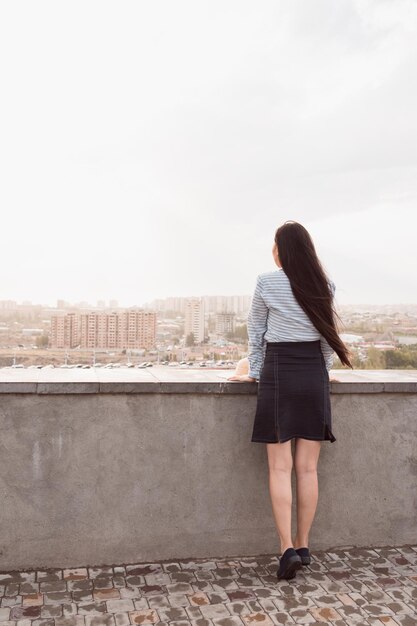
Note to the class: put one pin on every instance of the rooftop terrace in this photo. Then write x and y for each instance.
(146, 481)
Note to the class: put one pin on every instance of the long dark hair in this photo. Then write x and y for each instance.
(310, 284)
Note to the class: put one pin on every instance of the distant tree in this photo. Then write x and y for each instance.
(190, 340)
(403, 358)
(376, 359)
(42, 341)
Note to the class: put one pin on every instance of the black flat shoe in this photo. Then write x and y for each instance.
(304, 554)
(289, 563)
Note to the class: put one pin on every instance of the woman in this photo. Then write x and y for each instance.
(292, 339)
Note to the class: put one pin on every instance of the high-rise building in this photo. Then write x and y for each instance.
(194, 318)
(65, 330)
(8, 305)
(225, 323)
(212, 304)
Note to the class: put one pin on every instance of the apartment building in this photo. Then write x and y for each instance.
(131, 328)
(64, 330)
(224, 323)
(194, 318)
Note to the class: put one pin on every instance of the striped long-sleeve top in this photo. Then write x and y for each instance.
(275, 315)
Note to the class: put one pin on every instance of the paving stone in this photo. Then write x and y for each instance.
(397, 607)
(76, 620)
(181, 576)
(406, 620)
(202, 585)
(51, 610)
(198, 575)
(218, 597)
(149, 590)
(243, 594)
(259, 617)
(263, 592)
(57, 597)
(128, 593)
(225, 583)
(103, 582)
(325, 614)
(10, 601)
(254, 606)
(281, 618)
(119, 581)
(199, 598)
(179, 588)
(47, 586)
(301, 616)
(352, 614)
(78, 585)
(141, 604)
(12, 589)
(33, 599)
(236, 608)
(75, 574)
(179, 599)
(193, 612)
(92, 608)
(68, 609)
(162, 578)
(144, 617)
(119, 606)
(20, 612)
(97, 572)
(212, 611)
(83, 596)
(106, 594)
(327, 600)
(233, 620)
(49, 575)
(267, 605)
(170, 615)
(106, 619)
(135, 581)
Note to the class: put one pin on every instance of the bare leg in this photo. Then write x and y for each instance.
(306, 457)
(280, 467)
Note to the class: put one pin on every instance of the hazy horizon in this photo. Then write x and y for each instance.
(151, 150)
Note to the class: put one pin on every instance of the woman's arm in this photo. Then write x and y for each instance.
(257, 326)
(327, 351)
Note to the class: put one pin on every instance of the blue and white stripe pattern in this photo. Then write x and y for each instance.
(275, 315)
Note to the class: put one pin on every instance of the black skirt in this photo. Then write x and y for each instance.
(293, 394)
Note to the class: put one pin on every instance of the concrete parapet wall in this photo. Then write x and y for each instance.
(96, 472)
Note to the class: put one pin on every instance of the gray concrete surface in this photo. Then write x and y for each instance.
(96, 468)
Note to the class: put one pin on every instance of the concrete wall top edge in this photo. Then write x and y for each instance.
(191, 387)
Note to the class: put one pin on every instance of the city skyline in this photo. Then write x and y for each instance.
(157, 156)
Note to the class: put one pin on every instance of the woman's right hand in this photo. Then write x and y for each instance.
(334, 380)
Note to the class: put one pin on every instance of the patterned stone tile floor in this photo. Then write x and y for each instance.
(349, 586)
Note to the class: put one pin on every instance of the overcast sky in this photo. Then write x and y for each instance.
(151, 148)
